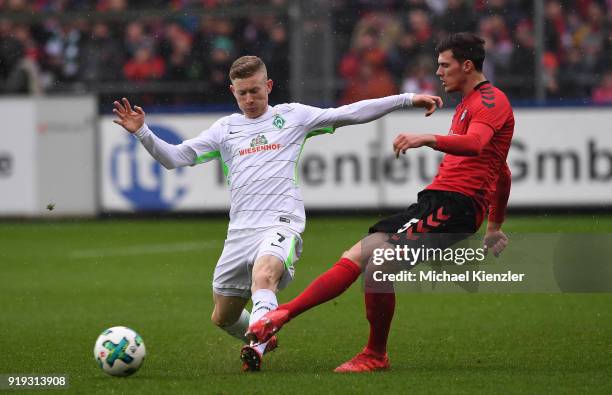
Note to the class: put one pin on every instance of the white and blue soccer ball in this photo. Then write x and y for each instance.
(119, 351)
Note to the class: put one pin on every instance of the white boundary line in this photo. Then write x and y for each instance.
(144, 249)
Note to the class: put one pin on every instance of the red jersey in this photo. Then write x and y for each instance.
(486, 107)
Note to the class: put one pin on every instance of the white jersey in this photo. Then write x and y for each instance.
(260, 155)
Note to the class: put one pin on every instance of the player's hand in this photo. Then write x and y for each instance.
(428, 102)
(130, 119)
(495, 241)
(405, 141)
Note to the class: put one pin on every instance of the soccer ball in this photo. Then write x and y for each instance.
(119, 351)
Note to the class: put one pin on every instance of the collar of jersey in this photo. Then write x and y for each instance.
(480, 84)
(259, 118)
(475, 89)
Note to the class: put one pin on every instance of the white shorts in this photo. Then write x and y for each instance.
(232, 275)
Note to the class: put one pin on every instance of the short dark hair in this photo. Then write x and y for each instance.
(247, 66)
(465, 46)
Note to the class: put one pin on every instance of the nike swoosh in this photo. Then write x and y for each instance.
(240, 131)
(275, 245)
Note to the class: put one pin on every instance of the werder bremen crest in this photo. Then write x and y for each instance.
(259, 140)
(278, 121)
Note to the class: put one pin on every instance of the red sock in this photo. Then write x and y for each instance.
(379, 310)
(325, 287)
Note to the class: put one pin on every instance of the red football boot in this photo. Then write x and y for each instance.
(365, 361)
(251, 358)
(272, 344)
(264, 328)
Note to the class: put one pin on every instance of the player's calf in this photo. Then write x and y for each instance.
(236, 329)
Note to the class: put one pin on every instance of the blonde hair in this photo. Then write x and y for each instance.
(247, 66)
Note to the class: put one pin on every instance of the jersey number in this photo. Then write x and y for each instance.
(281, 238)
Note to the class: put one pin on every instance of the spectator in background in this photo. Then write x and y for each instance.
(511, 10)
(11, 50)
(404, 54)
(458, 17)
(201, 45)
(170, 32)
(551, 75)
(575, 75)
(605, 58)
(420, 78)
(176, 50)
(376, 31)
(602, 93)
(363, 44)
(590, 37)
(254, 35)
(223, 53)
(62, 50)
(21, 74)
(101, 55)
(498, 46)
(415, 41)
(275, 54)
(372, 81)
(179, 64)
(225, 27)
(385, 26)
(419, 24)
(523, 59)
(145, 65)
(554, 27)
(136, 38)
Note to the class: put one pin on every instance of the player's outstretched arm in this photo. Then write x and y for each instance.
(469, 144)
(405, 141)
(169, 155)
(495, 239)
(368, 110)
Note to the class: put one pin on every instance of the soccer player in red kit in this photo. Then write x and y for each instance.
(472, 179)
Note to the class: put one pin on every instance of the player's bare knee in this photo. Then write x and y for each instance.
(267, 274)
(216, 319)
(266, 278)
(220, 320)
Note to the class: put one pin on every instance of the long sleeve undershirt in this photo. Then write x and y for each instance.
(499, 200)
(362, 111)
(469, 144)
(169, 155)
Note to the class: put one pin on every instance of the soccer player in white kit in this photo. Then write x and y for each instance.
(259, 150)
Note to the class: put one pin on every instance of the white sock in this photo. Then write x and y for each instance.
(264, 300)
(239, 328)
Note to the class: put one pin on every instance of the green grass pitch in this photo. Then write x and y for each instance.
(62, 283)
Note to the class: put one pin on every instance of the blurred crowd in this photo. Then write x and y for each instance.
(392, 46)
(382, 46)
(55, 54)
